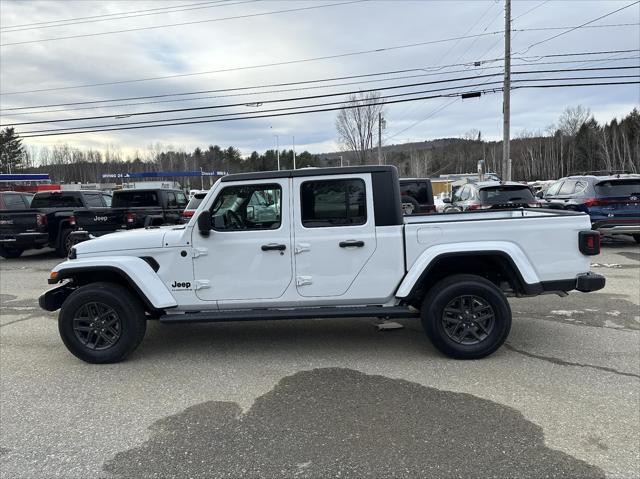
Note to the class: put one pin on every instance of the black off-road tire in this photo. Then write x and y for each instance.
(9, 253)
(132, 323)
(445, 293)
(637, 238)
(64, 243)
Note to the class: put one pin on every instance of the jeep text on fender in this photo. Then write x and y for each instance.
(320, 243)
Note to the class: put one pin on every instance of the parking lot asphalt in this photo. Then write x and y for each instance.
(328, 398)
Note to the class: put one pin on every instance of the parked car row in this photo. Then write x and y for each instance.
(611, 201)
(60, 219)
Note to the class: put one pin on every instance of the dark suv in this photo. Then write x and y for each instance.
(612, 202)
(491, 195)
(416, 195)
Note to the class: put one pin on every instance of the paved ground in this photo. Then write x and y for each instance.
(328, 398)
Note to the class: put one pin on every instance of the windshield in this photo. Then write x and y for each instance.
(630, 187)
(506, 194)
(194, 202)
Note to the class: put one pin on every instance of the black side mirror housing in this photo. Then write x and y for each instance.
(204, 223)
(446, 200)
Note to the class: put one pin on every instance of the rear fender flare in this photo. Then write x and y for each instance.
(429, 257)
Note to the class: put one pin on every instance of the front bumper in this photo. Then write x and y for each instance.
(25, 240)
(52, 300)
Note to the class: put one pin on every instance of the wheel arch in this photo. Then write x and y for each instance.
(498, 266)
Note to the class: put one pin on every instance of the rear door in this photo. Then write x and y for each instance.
(334, 232)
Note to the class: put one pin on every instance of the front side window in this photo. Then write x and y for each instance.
(107, 200)
(333, 203)
(93, 201)
(247, 207)
(181, 200)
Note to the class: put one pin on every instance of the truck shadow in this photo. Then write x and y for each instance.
(336, 422)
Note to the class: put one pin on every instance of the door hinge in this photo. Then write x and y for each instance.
(301, 248)
(303, 280)
(202, 284)
(200, 252)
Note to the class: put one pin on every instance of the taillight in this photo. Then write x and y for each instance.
(130, 218)
(72, 220)
(41, 220)
(534, 205)
(589, 242)
(478, 206)
(595, 202)
(187, 213)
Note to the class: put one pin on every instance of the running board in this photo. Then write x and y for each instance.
(301, 313)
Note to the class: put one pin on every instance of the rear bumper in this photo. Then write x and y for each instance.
(585, 283)
(25, 240)
(617, 227)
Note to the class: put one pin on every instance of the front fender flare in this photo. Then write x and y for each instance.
(428, 257)
(135, 271)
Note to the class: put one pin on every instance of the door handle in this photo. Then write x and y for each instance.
(351, 244)
(273, 247)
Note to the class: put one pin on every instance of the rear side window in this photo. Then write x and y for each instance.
(181, 199)
(627, 187)
(13, 202)
(56, 200)
(504, 194)
(133, 198)
(333, 203)
(568, 187)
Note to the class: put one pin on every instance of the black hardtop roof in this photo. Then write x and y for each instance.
(340, 170)
(134, 190)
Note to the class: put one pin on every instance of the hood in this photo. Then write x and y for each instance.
(123, 241)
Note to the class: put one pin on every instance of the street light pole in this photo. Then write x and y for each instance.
(294, 152)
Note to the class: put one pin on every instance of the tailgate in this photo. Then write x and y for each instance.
(100, 220)
(13, 222)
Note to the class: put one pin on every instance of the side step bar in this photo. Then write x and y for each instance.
(300, 313)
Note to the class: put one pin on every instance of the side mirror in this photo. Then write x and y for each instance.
(540, 194)
(204, 223)
(446, 200)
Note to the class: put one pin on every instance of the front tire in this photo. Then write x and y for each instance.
(102, 323)
(466, 316)
(10, 253)
(65, 243)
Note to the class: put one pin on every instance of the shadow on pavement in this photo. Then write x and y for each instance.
(343, 423)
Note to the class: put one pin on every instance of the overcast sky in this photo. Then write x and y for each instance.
(311, 33)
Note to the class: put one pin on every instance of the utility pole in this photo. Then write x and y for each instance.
(294, 152)
(380, 120)
(506, 106)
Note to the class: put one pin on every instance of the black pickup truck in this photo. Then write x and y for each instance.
(134, 208)
(48, 222)
(20, 227)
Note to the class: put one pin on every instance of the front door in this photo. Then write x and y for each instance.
(248, 254)
(334, 233)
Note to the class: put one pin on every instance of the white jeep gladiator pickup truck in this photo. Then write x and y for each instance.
(320, 243)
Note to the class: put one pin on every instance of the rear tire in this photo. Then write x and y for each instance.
(64, 243)
(637, 238)
(102, 323)
(10, 253)
(466, 316)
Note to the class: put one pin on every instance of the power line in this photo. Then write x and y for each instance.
(193, 22)
(109, 14)
(392, 87)
(28, 135)
(583, 25)
(251, 67)
(530, 10)
(98, 103)
(219, 3)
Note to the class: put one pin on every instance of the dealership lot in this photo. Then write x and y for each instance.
(328, 397)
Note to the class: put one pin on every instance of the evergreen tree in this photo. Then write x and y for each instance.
(11, 150)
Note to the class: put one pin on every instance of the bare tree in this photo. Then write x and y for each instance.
(572, 119)
(356, 125)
